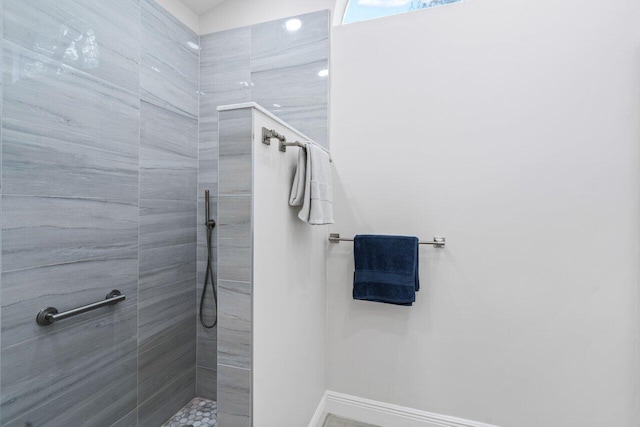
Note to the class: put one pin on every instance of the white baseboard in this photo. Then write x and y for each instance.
(318, 416)
(383, 414)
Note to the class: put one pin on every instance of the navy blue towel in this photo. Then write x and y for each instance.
(386, 269)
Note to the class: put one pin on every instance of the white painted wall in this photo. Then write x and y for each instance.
(289, 304)
(183, 13)
(512, 128)
(240, 13)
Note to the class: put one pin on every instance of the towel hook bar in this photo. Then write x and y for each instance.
(438, 242)
(267, 134)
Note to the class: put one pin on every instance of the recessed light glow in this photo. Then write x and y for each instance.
(323, 73)
(293, 25)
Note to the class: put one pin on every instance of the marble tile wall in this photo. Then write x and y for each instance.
(168, 184)
(102, 182)
(225, 76)
(99, 180)
(235, 268)
(280, 70)
(288, 72)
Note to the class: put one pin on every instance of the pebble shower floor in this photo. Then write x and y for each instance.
(197, 413)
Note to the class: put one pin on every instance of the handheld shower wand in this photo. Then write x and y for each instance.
(207, 213)
(208, 274)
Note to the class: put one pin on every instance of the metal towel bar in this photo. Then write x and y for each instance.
(438, 242)
(267, 134)
(50, 314)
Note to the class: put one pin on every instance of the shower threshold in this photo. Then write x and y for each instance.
(199, 412)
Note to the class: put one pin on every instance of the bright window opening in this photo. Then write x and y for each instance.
(362, 10)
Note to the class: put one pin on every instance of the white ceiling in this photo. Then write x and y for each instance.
(201, 6)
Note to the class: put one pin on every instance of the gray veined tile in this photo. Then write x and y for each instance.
(234, 325)
(51, 162)
(168, 183)
(225, 78)
(167, 223)
(40, 91)
(167, 401)
(235, 145)
(39, 231)
(94, 36)
(166, 291)
(208, 172)
(297, 85)
(274, 47)
(234, 396)
(160, 86)
(209, 103)
(235, 176)
(311, 118)
(171, 358)
(129, 420)
(202, 264)
(235, 131)
(297, 95)
(207, 343)
(208, 122)
(64, 286)
(206, 383)
(166, 312)
(1, 88)
(234, 217)
(234, 260)
(103, 399)
(168, 27)
(285, 72)
(208, 157)
(235, 169)
(83, 367)
(225, 64)
(164, 266)
(167, 139)
(211, 100)
(169, 63)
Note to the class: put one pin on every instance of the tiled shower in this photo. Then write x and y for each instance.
(109, 140)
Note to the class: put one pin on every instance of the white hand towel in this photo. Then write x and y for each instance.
(299, 180)
(312, 186)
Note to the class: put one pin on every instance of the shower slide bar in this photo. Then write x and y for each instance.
(49, 315)
(438, 242)
(267, 134)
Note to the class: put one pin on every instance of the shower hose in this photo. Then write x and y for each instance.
(208, 279)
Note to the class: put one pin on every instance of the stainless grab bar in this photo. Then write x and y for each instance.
(438, 242)
(50, 314)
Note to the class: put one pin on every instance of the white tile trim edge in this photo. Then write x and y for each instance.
(384, 414)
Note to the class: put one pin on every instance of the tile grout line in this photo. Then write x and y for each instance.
(139, 198)
(235, 367)
(197, 209)
(1, 171)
